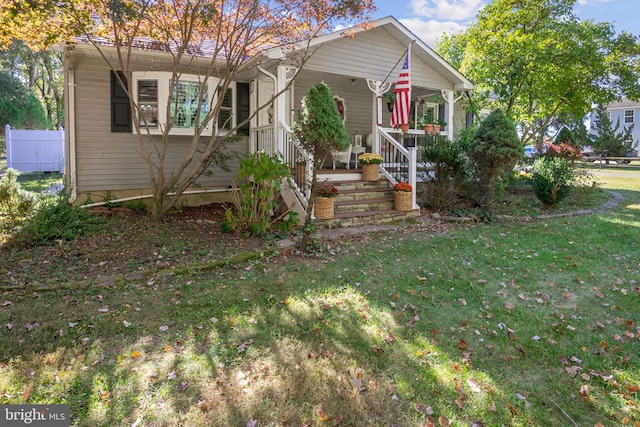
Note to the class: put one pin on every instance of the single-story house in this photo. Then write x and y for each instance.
(102, 150)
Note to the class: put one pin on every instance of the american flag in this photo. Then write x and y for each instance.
(402, 103)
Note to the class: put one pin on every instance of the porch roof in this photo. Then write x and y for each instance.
(391, 27)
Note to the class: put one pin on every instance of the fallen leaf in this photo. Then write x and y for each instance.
(473, 385)
(462, 302)
(126, 324)
(513, 409)
(443, 421)
(244, 346)
(252, 423)
(136, 354)
(337, 420)
(26, 394)
(103, 309)
(183, 386)
(322, 416)
(163, 328)
(462, 344)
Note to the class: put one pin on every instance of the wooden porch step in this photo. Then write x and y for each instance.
(361, 202)
(374, 217)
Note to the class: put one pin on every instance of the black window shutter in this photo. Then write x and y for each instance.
(441, 112)
(242, 102)
(120, 107)
(469, 119)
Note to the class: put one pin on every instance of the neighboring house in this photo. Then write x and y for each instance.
(626, 113)
(101, 149)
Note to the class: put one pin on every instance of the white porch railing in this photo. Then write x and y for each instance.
(399, 161)
(262, 140)
(292, 152)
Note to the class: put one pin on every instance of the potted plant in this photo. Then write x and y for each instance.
(428, 122)
(389, 97)
(403, 196)
(325, 197)
(370, 169)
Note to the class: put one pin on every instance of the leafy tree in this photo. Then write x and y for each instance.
(607, 138)
(536, 60)
(320, 130)
(495, 150)
(41, 70)
(18, 106)
(234, 30)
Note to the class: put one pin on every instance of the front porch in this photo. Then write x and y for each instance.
(360, 86)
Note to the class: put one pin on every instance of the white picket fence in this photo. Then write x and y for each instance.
(35, 150)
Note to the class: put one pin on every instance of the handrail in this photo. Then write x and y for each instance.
(299, 159)
(399, 162)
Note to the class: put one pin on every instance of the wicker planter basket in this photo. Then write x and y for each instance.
(402, 201)
(301, 176)
(324, 207)
(370, 172)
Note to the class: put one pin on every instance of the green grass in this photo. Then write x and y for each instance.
(518, 323)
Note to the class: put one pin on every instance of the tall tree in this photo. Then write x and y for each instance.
(232, 30)
(41, 70)
(18, 106)
(536, 61)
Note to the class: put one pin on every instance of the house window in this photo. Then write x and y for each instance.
(628, 116)
(148, 102)
(157, 93)
(184, 104)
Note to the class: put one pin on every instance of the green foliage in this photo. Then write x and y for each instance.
(18, 106)
(55, 219)
(565, 136)
(449, 161)
(319, 126)
(136, 206)
(495, 150)
(551, 179)
(15, 203)
(538, 61)
(255, 200)
(607, 137)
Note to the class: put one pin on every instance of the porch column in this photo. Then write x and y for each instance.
(378, 88)
(448, 98)
(285, 74)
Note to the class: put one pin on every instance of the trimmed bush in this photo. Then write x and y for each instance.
(551, 179)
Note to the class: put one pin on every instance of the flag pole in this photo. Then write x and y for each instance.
(408, 50)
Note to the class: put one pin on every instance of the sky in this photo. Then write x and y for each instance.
(429, 19)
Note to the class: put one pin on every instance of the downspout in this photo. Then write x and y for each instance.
(70, 134)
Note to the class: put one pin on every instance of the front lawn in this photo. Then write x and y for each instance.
(520, 322)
